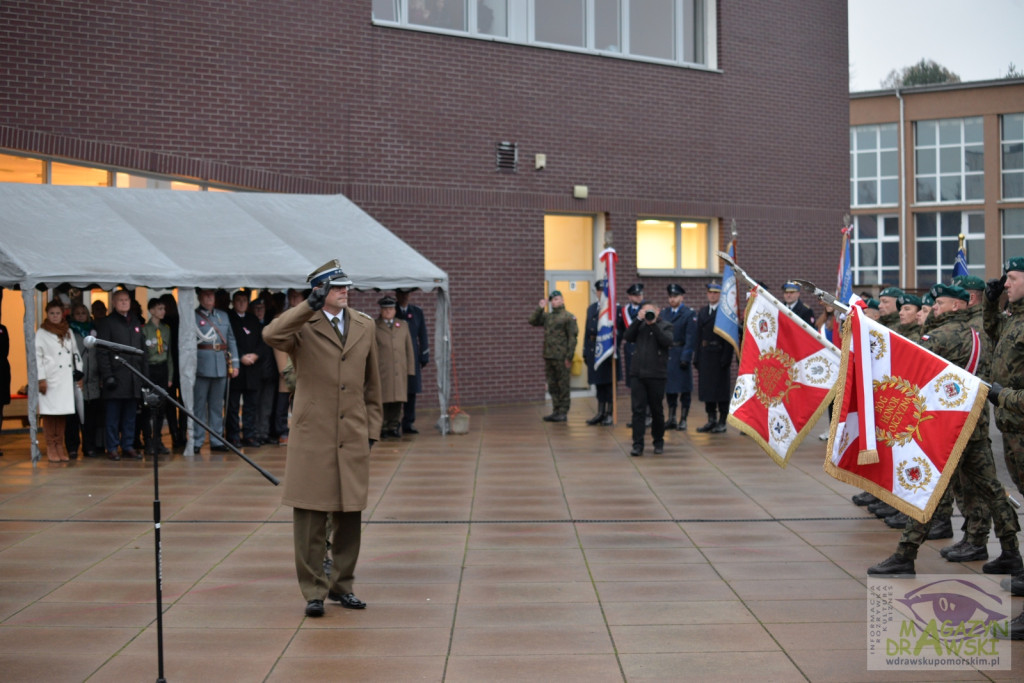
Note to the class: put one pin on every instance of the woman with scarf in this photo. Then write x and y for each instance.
(55, 360)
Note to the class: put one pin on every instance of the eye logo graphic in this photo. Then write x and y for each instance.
(958, 605)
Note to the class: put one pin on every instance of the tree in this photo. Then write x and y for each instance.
(1013, 72)
(925, 72)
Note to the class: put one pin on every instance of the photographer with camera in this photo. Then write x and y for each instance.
(652, 338)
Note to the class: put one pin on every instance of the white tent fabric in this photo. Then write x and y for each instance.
(83, 236)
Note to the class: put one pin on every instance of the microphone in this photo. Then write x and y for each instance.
(92, 341)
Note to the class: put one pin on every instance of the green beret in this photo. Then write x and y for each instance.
(969, 282)
(894, 292)
(553, 294)
(1016, 263)
(873, 303)
(928, 300)
(904, 299)
(951, 291)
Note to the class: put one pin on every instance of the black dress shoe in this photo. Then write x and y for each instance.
(941, 528)
(681, 427)
(659, 448)
(410, 430)
(130, 454)
(719, 428)
(637, 450)
(894, 565)
(348, 600)
(1009, 562)
(315, 608)
(113, 455)
(671, 424)
(707, 426)
(220, 448)
(968, 552)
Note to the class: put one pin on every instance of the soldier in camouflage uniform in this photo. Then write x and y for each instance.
(560, 331)
(952, 339)
(909, 305)
(888, 307)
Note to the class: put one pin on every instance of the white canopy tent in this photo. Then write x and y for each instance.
(83, 236)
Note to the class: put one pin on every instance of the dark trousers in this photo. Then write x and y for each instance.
(647, 393)
(120, 423)
(409, 411)
(153, 416)
(719, 410)
(249, 400)
(265, 407)
(279, 422)
(72, 434)
(604, 392)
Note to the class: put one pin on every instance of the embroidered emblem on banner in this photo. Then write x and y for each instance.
(764, 326)
(878, 346)
(899, 411)
(819, 372)
(774, 377)
(915, 474)
(950, 390)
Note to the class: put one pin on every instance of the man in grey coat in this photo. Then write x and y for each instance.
(216, 360)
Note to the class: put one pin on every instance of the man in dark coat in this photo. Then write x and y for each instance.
(601, 376)
(653, 340)
(245, 387)
(413, 315)
(791, 296)
(679, 385)
(121, 388)
(628, 316)
(714, 363)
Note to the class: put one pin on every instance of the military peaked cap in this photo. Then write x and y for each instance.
(330, 273)
(675, 290)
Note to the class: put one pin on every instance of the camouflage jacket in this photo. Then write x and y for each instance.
(890, 320)
(560, 331)
(949, 335)
(911, 332)
(1007, 331)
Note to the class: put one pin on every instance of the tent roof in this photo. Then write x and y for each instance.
(160, 238)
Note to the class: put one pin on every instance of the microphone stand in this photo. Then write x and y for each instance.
(162, 393)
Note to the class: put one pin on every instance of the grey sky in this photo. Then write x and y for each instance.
(976, 39)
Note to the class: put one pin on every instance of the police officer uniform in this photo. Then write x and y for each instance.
(802, 310)
(679, 384)
(713, 359)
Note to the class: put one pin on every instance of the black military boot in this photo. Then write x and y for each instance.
(683, 414)
(607, 421)
(894, 565)
(1009, 562)
(719, 427)
(956, 546)
(709, 425)
(1014, 584)
(1016, 629)
(968, 552)
(670, 417)
(864, 498)
(941, 528)
(600, 414)
(897, 521)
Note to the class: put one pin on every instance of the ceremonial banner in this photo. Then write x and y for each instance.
(786, 377)
(605, 347)
(727, 320)
(960, 266)
(844, 281)
(901, 418)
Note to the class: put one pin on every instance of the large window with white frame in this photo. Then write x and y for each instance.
(1013, 233)
(676, 246)
(937, 241)
(874, 166)
(1013, 156)
(949, 161)
(876, 249)
(680, 32)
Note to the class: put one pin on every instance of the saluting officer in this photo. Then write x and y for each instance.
(714, 363)
(679, 385)
(560, 332)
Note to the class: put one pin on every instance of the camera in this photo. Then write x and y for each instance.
(650, 315)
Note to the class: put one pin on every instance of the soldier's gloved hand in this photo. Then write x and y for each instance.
(994, 391)
(994, 288)
(424, 358)
(684, 365)
(317, 296)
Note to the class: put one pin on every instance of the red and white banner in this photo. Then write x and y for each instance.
(901, 418)
(786, 377)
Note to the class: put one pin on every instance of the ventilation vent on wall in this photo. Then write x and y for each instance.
(506, 157)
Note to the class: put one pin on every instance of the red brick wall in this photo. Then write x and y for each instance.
(310, 96)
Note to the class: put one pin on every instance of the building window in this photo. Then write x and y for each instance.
(949, 161)
(1013, 156)
(938, 240)
(666, 246)
(876, 249)
(22, 169)
(874, 166)
(1013, 233)
(665, 31)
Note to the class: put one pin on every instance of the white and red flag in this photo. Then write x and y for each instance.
(786, 377)
(901, 418)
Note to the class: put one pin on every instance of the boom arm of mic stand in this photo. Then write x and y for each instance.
(162, 392)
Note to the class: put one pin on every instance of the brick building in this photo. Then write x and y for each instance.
(928, 164)
(503, 139)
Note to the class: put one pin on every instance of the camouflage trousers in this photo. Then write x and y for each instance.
(1013, 450)
(557, 376)
(977, 469)
(977, 519)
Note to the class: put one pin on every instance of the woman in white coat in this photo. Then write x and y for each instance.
(55, 359)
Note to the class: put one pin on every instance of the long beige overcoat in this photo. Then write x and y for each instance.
(337, 408)
(396, 358)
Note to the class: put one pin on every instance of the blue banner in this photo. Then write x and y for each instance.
(727, 319)
(960, 267)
